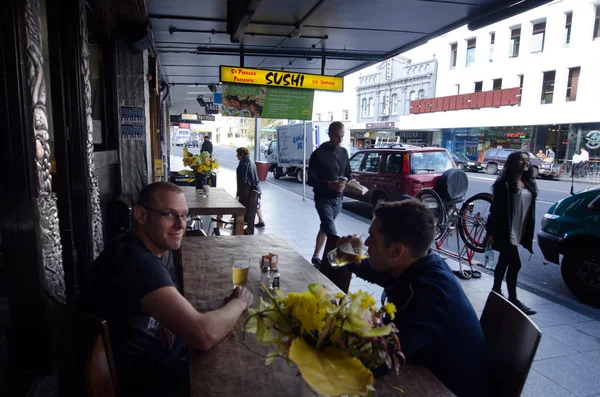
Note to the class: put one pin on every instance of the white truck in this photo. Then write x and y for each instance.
(285, 153)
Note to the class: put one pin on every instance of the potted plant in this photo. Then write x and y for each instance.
(202, 166)
(336, 342)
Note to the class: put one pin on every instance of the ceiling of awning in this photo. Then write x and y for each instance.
(333, 37)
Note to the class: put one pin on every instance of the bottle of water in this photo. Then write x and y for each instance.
(264, 278)
(490, 263)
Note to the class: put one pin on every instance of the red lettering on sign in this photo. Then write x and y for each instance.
(478, 100)
(414, 106)
(452, 103)
(510, 96)
(489, 99)
(438, 105)
(243, 79)
(325, 82)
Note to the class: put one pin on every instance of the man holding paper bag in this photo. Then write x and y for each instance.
(328, 172)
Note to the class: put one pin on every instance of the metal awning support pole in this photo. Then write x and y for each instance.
(256, 139)
(304, 161)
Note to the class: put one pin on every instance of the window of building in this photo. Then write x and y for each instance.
(597, 23)
(457, 88)
(471, 44)
(539, 34)
(345, 114)
(371, 107)
(568, 20)
(421, 94)
(497, 84)
(395, 104)
(548, 86)
(453, 54)
(478, 86)
(521, 87)
(365, 108)
(318, 116)
(515, 42)
(572, 84)
(330, 116)
(492, 43)
(413, 95)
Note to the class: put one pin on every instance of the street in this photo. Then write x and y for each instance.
(535, 275)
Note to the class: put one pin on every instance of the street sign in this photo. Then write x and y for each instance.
(206, 117)
(211, 108)
(191, 117)
(278, 78)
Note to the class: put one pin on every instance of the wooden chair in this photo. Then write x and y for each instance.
(339, 276)
(83, 351)
(512, 340)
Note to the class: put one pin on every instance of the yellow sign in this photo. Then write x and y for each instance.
(158, 168)
(278, 78)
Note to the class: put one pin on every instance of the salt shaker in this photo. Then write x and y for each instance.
(265, 280)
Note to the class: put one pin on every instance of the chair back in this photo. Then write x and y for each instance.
(512, 340)
(251, 208)
(83, 352)
(339, 276)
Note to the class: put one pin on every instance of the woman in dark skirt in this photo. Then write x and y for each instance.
(511, 222)
(247, 180)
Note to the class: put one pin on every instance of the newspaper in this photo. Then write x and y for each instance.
(354, 185)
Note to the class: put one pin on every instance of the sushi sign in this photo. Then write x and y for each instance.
(278, 78)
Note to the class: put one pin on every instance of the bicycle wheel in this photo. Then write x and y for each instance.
(433, 201)
(472, 220)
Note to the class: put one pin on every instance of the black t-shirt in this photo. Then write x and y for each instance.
(327, 163)
(125, 272)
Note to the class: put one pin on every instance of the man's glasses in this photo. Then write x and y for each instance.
(168, 215)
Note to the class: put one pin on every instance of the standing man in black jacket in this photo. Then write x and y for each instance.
(327, 164)
(207, 145)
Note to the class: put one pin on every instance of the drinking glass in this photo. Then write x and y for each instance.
(353, 251)
(239, 271)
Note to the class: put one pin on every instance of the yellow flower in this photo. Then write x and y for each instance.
(367, 301)
(305, 308)
(339, 295)
(390, 309)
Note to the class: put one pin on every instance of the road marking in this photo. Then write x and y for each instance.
(544, 189)
(544, 202)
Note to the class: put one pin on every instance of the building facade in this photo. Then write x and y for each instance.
(550, 55)
(384, 95)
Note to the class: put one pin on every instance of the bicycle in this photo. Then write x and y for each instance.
(470, 220)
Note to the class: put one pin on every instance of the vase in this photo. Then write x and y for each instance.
(200, 181)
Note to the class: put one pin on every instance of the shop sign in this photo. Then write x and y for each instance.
(191, 117)
(593, 140)
(158, 168)
(278, 78)
(476, 100)
(184, 126)
(211, 108)
(206, 117)
(388, 124)
(412, 134)
(267, 102)
(516, 135)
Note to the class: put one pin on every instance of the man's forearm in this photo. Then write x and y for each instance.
(215, 326)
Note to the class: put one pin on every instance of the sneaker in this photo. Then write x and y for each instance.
(523, 307)
(260, 224)
(317, 262)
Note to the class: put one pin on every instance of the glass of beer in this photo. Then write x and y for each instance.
(239, 271)
(352, 251)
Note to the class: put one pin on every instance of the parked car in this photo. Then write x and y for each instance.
(464, 163)
(390, 173)
(571, 228)
(192, 142)
(494, 159)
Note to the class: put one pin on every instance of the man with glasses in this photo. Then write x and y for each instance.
(150, 322)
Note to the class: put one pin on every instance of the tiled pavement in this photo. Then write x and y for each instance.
(567, 362)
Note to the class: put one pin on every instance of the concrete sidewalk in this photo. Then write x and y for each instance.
(567, 362)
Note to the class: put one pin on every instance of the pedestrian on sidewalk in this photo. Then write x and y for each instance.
(207, 145)
(576, 161)
(511, 222)
(585, 160)
(327, 164)
(247, 180)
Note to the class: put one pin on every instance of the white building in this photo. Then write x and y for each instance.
(551, 52)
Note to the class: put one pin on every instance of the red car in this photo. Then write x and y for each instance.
(389, 173)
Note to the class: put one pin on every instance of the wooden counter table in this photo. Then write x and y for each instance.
(218, 202)
(235, 367)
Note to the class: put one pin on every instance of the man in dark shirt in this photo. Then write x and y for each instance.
(207, 145)
(150, 322)
(327, 164)
(437, 325)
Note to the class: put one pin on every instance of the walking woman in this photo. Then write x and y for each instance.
(511, 221)
(247, 179)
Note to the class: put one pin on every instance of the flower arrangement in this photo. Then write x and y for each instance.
(336, 342)
(199, 163)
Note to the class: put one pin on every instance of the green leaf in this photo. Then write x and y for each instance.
(251, 325)
(331, 371)
(382, 331)
(187, 172)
